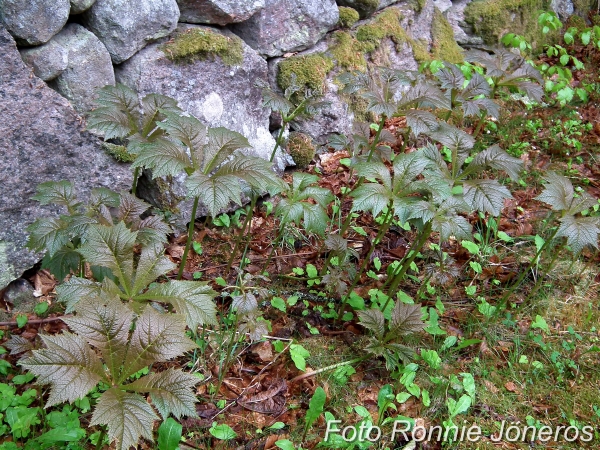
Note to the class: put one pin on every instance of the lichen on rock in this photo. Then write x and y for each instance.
(444, 46)
(201, 44)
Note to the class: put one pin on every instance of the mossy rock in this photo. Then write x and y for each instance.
(301, 149)
(310, 71)
(201, 44)
(119, 152)
(444, 46)
(347, 51)
(348, 17)
(365, 8)
(492, 19)
(384, 25)
(576, 21)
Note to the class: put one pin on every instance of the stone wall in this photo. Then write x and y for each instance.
(73, 47)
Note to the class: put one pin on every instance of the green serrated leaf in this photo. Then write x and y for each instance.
(171, 392)
(67, 364)
(127, 415)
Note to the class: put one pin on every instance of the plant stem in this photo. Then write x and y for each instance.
(136, 174)
(100, 438)
(398, 277)
(387, 221)
(324, 369)
(242, 232)
(190, 238)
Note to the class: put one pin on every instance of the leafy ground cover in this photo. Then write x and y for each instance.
(439, 267)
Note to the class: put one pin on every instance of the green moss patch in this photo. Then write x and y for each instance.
(385, 25)
(348, 17)
(119, 152)
(444, 45)
(310, 70)
(201, 44)
(348, 52)
(365, 8)
(301, 149)
(492, 19)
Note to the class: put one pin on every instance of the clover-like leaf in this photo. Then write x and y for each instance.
(171, 391)
(67, 364)
(127, 415)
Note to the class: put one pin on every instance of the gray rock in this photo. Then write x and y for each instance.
(88, 68)
(126, 26)
(219, 12)
(34, 22)
(215, 93)
(41, 139)
(79, 6)
(463, 32)
(288, 25)
(563, 8)
(47, 61)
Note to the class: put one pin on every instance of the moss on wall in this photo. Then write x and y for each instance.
(347, 51)
(444, 46)
(365, 8)
(200, 44)
(385, 25)
(348, 16)
(492, 19)
(118, 152)
(310, 70)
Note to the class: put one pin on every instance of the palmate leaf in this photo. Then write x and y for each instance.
(111, 247)
(191, 299)
(65, 260)
(459, 142)
(127, 415)
(67, 364)
(274, 101)
(395, 353)
(450, 77)
(372, 197)
(579, 231)
(157, 337)
(373, 320)
(171, 392)
(485, 195)
(257, 172)
(478, 85)
(375, 170)
(163, 157)
(104, 324)
(131, 207)
(289, 211)
(118, 96)
(496, 158)
(190, 132)
(315, 218)
(155, 106)
(421, 121)
(111, 122)
(222, 142)
(407, 167)
(76, 289)
(152, 230)
(559, 194)
(244, 303)
(320, 195)
(49, 234)
(215, 192)
(406, 319)
(475, 107)
(57, 193)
